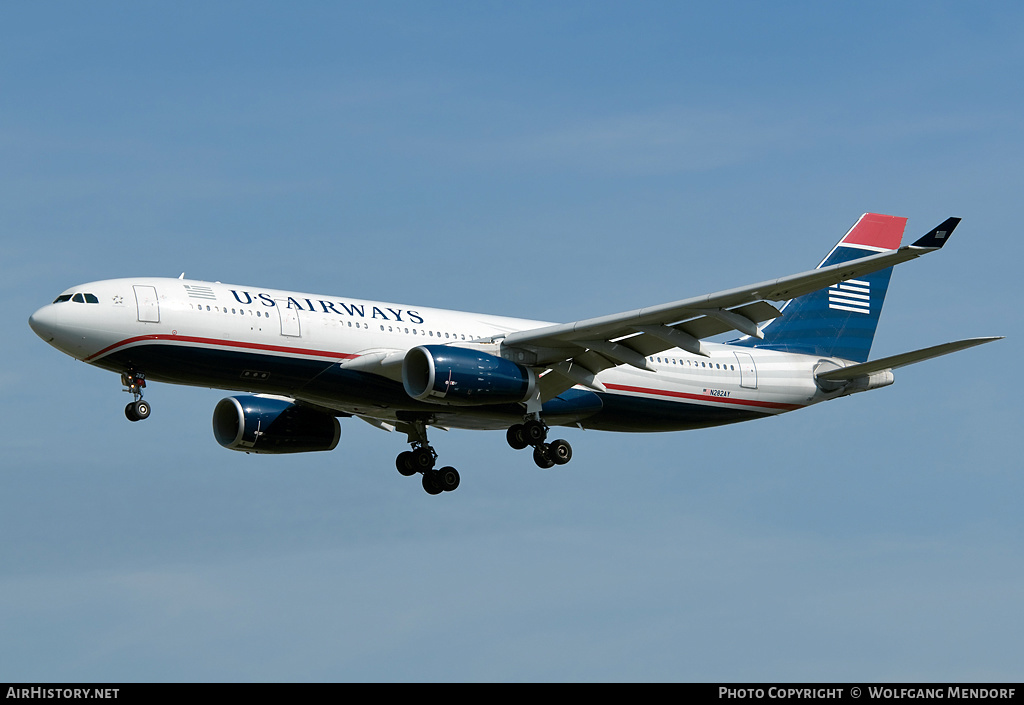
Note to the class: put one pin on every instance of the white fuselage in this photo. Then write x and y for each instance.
(281, 342)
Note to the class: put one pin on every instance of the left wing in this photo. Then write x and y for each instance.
(576, 352)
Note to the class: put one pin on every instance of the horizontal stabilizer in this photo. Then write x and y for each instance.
(901, 360)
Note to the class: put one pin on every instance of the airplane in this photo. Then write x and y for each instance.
(302, 361)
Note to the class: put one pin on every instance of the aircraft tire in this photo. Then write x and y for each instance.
(404, 463)
(534, 432)
(448, 479)
(422, 459)
(142, 409)
(542, 458)
(430, 483)
(516, 437)
(560, 452)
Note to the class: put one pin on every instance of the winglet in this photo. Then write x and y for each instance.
(938, 236)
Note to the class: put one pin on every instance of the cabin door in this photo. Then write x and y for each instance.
(148, 303)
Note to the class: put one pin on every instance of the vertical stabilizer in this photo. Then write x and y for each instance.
(839, 321)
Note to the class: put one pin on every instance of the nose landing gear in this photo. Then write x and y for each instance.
(134, 383)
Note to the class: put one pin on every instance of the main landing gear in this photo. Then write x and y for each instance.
(422, 458)
(134, 383)
(534, 432)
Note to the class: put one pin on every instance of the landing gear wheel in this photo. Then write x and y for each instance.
(404, 463)
(516, 437)
(137, 410)
(447, 479)
(535, 432)
(560, 452)
(542, 457)
(423, 459)
(431, 484)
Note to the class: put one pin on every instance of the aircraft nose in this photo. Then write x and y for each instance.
(44, 322)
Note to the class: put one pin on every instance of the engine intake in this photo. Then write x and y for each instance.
(454, 376)
(256, 424)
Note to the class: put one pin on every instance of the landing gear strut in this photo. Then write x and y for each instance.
(134, 383)
(534, 432)
(421, 459)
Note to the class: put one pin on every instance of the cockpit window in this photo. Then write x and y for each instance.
(79, 298)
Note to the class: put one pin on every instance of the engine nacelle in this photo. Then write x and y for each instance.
(441, 374)
(256, 424)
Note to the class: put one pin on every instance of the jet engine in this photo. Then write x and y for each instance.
(256, 424)
(454, 376)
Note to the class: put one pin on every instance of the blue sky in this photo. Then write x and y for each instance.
(544, 160)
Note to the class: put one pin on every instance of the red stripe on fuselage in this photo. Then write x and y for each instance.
(704, 397)
(222, 343)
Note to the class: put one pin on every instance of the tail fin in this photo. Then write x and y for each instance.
(839, 321)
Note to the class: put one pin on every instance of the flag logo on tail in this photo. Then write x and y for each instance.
(853, 295)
